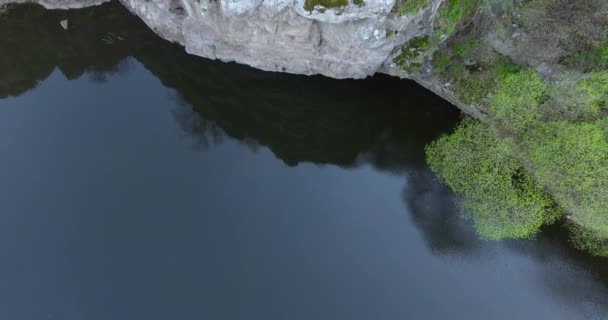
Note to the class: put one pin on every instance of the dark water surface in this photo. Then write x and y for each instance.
(138, 182)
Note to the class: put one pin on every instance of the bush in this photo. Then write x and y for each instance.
(595, 87)
(577, 99)
(571, 159)
(405, 7)
(496, 193)
(588, 240)
(516, 101)
(310, 5)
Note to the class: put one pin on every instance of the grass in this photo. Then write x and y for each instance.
(412, 54)
(409, 7)
(359, 3)
(310, 5)
(593, 59)
(450, 16)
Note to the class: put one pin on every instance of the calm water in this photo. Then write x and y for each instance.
(138, 182)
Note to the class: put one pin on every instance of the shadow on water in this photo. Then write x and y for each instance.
(433, 209)
(301, 119)
(384, 122)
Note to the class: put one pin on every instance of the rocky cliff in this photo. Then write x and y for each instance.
(351, 40)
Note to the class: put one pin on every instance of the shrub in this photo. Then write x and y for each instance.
(588, 240)
(577, 99)
(405, 7)
(595, 87)
(496, 193)
(310, 5)
(516, 101)
(571, 159)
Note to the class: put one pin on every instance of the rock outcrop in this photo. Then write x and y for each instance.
(351, 41)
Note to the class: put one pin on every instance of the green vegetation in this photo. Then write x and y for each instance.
(595, 87)
(572, 160)
(453, 13)
(515, 104)
(359, 3)
(412, 54)
(549, 134)
(543, 146)
(497, 194)
(310, 5)
(406, 7)
(574, 99)
(473, 70)
(594, 59)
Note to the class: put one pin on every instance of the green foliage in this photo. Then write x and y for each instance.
(472, 68)
(441, 61)
(497, 194)
(571, 159)
(541, 137)
(310, 5)
(516, 101)
(594, 59)
(359, 3)
(595, 87)
(589, 240)
(412, 54)
(574, 99)
(406, 7)
(466, 47)
(452, 14)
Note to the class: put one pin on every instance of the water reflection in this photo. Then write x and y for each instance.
(434, 211)
(301, 120)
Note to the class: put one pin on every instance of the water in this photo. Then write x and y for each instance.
(138, 182)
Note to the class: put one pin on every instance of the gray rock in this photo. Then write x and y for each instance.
(280, 35)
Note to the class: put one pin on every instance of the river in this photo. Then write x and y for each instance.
(139, 182)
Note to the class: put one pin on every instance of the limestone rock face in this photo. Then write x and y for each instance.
(352, 41)
(58, 4)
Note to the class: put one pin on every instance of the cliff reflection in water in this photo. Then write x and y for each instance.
(344, 123)
(301, 119)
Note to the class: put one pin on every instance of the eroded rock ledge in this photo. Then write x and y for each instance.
(352, 41)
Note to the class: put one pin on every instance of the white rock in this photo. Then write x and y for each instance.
(280, 35)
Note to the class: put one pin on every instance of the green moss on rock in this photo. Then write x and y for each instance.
(412, 54)
(408, 7)
(310, 5)
(359, 3)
